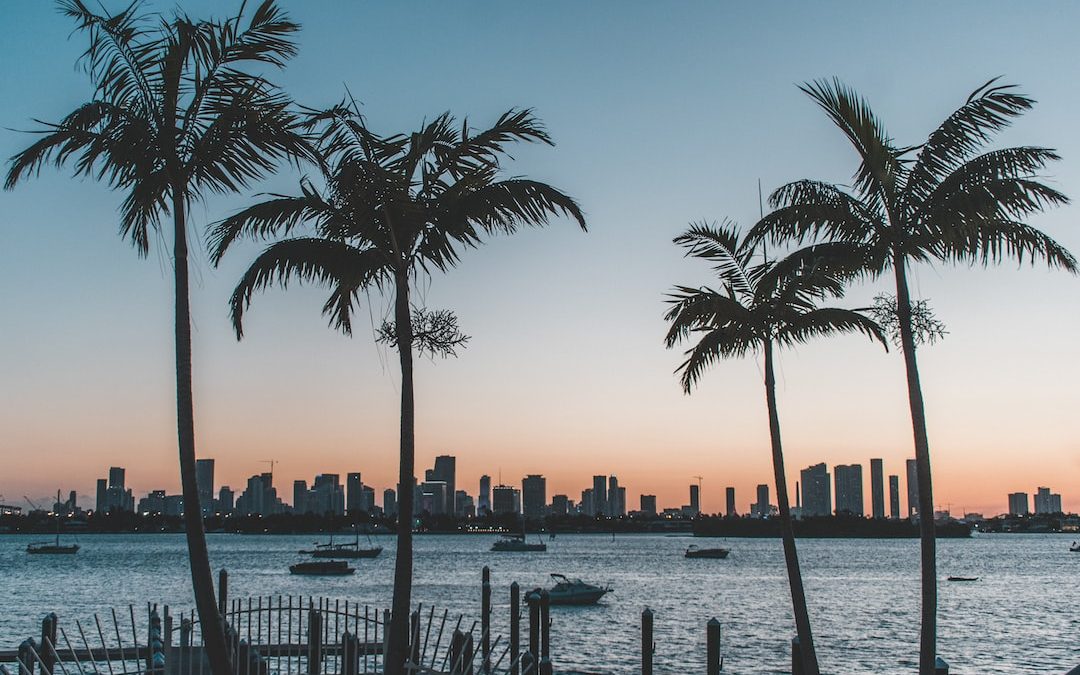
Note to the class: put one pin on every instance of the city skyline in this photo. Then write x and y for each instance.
(93, 383)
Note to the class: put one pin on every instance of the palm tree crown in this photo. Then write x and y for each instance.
(175, 113)
(390, 205)
(758, 302)
(946, 199)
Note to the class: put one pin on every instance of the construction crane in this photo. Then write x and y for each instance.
(271, 462)
(32, 504)
(699, 479)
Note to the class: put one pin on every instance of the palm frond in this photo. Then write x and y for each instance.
(988, 109)
(503, 206)
(991, 240)
(826, 321)
(808, 209)
(720, 245)
(693, 309)
(881, 169)
(344, 268)
(274, 217)
(729, 341)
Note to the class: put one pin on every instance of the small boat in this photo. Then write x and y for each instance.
(575, 591)
(350, 551)
(1075, 548)
(322, 568)
(54, 547)
(695, 552)
(517, 543)
(963, 578)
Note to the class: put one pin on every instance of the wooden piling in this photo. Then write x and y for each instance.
(545, 633)
(528, 664)
(647, 644)
(414, 631)
(485, 620)
(47, 651)
(350, 654)
(314, 654)
(533, 599)
(712, 634)
(515, 628)
(796, 656)
(940, 666)
(457, 653)
(223, 592)
(26, 657)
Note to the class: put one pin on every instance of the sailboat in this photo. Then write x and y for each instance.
(350, 550)
(55, 547)
(516, 542)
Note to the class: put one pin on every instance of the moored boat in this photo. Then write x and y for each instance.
(517, 543)
(322, 568)
(55, 547)
(695, 552)
(575, 591)
(1075, 548)
(963, 579)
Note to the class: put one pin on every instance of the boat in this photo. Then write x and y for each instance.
(54, 547)
(575, 591)
(695, 552)
(349, 551)
(1075, 548)
(963, 578)
(322, 568)
(517, 543)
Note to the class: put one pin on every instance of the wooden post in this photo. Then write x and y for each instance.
(545, 633)
(528, 664)
(647, 644)
(185, 631)
(485, 620)
(940, 667)
(470, 654)
(533, 598)
(223, 592)
(796, 656)
(414, 637)
(712, 634)
(385, 636)
(457, 653)
(47, 652)
(155, 658)
(314, 653)
(515, 628)
(168, 629)
(26, 657)
(350, 654)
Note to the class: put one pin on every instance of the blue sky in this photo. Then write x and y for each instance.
(663, 113)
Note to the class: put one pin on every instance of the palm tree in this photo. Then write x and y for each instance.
(948, 199)
(392, 208)
(760, 306)
(175, 116)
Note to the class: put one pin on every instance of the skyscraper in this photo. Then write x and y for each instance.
(433, 497)
(116, 477)
(1047, 503)
(446, 471)
(226, 500)
(484, 504)
(599, 495)
(912, 488)
(1018, 504)
(204, 482)
(534, 496)
(615, 493)
(877, 488)
(729, 494)
(389, 502)
(761, 507)
(588, 508)
(695, 499)
(849, 495)
(101, 503)
(505, 499)
(299, 497)
(354, 492)
(648, 504)
(894, 497)
(816, 491)
(560, 505)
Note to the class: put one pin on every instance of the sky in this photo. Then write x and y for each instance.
(663, 114)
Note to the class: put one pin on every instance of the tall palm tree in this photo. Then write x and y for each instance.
(948, 199)
(392, 208)
(762, 305)
(175, 115)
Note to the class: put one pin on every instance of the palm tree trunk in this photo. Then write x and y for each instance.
(403, 565)
(928, 638)
(202, 580)
(787, 532)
